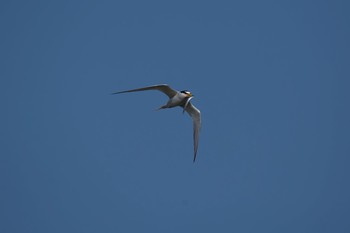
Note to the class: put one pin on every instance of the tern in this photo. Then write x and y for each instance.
(181, 99)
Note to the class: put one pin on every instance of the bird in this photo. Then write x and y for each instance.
(177, 99)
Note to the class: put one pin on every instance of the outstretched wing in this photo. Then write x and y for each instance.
(162, 87)
(186, 103)
(196, 118)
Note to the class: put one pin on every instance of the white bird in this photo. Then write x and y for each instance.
(178, 98)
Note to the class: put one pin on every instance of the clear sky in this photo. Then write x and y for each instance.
(271, 79)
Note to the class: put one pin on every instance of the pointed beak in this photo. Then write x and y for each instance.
(190, 95)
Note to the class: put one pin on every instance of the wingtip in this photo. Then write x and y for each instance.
(118, 92)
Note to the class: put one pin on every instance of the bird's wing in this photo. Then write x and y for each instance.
(187, 102)
(196, 118)
(162, 87)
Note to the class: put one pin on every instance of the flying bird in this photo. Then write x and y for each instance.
(181, 99)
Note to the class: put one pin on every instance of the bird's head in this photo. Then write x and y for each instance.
(187, 93)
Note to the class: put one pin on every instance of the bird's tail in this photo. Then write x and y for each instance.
(161, 107)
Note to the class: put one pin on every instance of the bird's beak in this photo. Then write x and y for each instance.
(189, 95)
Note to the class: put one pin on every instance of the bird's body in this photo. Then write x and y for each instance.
(178, 99)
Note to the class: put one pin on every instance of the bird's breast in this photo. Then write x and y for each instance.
(177, 100)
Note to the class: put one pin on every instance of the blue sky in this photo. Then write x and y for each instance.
(271, 79)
